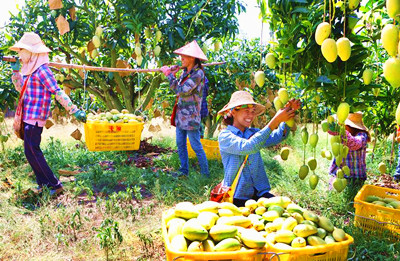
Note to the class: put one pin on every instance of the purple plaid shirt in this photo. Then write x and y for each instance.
(37, 98)
(355, 160)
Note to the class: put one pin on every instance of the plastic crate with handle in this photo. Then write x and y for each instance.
(113, 136)
(372, 217)
(211, 148)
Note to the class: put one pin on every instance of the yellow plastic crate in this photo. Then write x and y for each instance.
(330, 252)
(211, 148)
(377, 218)
(242, 255)
(113, 136)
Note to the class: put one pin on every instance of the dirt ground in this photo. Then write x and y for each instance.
(156, 128)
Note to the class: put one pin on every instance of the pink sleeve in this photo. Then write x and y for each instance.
(66, 102)
(333, 133)
(17, 81)
(356, 142)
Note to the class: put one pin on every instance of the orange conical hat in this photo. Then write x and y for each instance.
(192, 49)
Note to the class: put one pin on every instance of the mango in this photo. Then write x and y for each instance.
(158, 35)
(239, 221)
(186, 210)
(329, 239)
(217, 46)
(228, 205)
(343, 48)
(325, 126)
(278, 103)
(353, 4)
(328, 155)
(270, 60)
(382, 168)
(289, 224)
(284, 153)
(309, 222)
(284, 236)
(175, 228)
(251, 204)
(390, 38)
(325, 223)
(220, 232)
(208, 245)
(329, 50)
(245, 211)
(169, 215)
(304, 135)
(157, 50)
(298, 242)
(299, 218)
(282, 201)
(283, 246)
(277, 208)
(343, 112)
(208, 206)
(193, 230)
(195, 246)
(304, 230)
(372, 198)
(340, 174)
(313, 140)
(96, 41)
(339, 185)
(338, 234)
(259, 78)
(99, 31)
(346, 170)
(225, 212)
(258, 225)
(391, 70)
(387, 200)
(395, 204)
(312, 163)
(290, 122)
(270, 215)
(178, 243)
(309, 215)
(315, 241)
(252, 238)
(292, 207)
(322, 32)
(321, 233)
(207, 219)
(393, 8)
(367, 76)
(379, 203)
(260, 210)
(270, 238)
(283, 95)
(228, 244)
(376, 91)
(303, 172)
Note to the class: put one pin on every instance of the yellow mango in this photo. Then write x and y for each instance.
(390, 39)
(323, 31)
(343, 48)
(391, 69)
(329, 50)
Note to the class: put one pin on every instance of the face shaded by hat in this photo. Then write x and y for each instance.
(240, 98)
(355, 121)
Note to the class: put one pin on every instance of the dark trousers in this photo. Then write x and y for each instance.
(241, 202)
(35, 157)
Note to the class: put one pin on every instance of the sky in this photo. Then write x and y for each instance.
(250, 25)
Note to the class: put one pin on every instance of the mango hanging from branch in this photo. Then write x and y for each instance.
(259, 78)
(343, 48)
(323, 31)
(329, 50)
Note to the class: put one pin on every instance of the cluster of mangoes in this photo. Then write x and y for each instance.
(114, 116)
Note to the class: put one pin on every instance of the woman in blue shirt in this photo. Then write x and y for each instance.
(239, 140)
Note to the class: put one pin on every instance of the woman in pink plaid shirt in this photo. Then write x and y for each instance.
(40, 85)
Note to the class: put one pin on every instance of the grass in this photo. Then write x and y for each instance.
(113, 199)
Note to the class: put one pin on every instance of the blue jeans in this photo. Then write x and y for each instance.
(397, 173)
(35, 157)
(194, 138)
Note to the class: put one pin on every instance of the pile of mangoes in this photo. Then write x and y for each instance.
(277, 221)
(114, 116)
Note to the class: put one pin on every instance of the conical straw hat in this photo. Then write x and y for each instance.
(192, 49)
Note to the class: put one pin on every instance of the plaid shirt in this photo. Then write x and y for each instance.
(235, 145)
(189, 89)
(355, 160)
(37, 99)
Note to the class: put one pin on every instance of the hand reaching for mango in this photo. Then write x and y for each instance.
(294, 104)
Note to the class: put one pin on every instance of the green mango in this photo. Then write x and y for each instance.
(313, 140)
(339, 185)
(321, 233)
(328, 155)
(304, 136)
(340, 174)
(312, 163)
(303, 172)
(325, 126)
(336, 148)
(335, 139)
(346, 170)
(284, 153)
(313, 181)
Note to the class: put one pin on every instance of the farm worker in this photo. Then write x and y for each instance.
(41, 84)
(239, 139)
(204, 107)
(357, 137)
(396, 175)
(189, 91)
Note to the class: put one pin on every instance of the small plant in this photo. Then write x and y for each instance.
(109, 236)
(75, 223)
(147, 243)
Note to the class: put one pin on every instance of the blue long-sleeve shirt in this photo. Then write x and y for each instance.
(235, 145)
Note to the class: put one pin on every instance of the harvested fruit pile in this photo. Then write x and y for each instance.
(388, 202)
(275, 222)
(386, 181)
(114, 116)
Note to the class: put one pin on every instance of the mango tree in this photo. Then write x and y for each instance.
(126, 34)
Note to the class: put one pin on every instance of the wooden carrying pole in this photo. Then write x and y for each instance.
(102, 69)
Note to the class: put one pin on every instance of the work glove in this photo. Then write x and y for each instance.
(16, 65)
(166, 70)
(80, 115)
